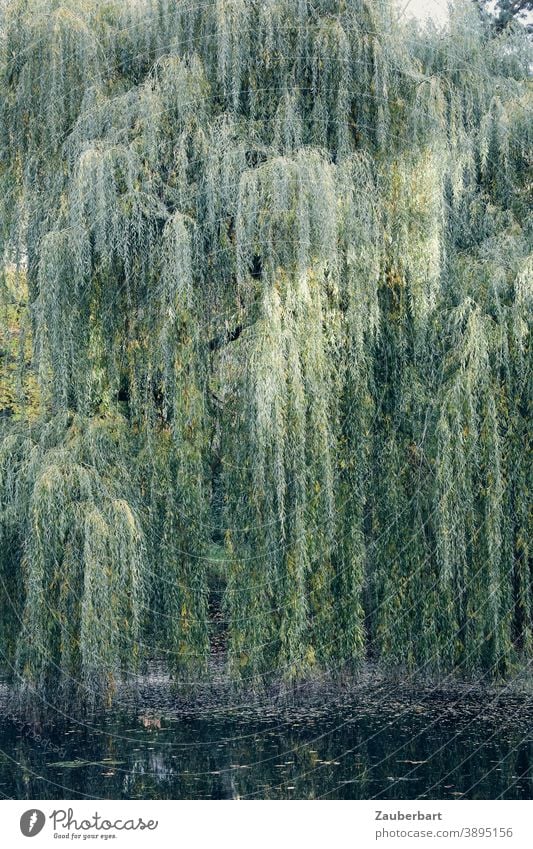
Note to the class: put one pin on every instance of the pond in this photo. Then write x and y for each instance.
(381, 740)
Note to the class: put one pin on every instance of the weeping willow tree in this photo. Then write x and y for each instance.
(279, 276)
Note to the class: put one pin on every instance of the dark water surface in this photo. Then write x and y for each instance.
(381, 740)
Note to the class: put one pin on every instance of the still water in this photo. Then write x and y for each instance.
(379, 741)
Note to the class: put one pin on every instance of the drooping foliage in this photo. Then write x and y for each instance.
(278, 265)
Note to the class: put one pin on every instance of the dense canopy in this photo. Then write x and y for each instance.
(277, 263)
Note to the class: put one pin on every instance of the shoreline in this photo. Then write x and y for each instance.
(372, 686)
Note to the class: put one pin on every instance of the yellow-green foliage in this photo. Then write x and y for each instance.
(19, 391)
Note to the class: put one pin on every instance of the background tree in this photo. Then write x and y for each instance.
(507, 11)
